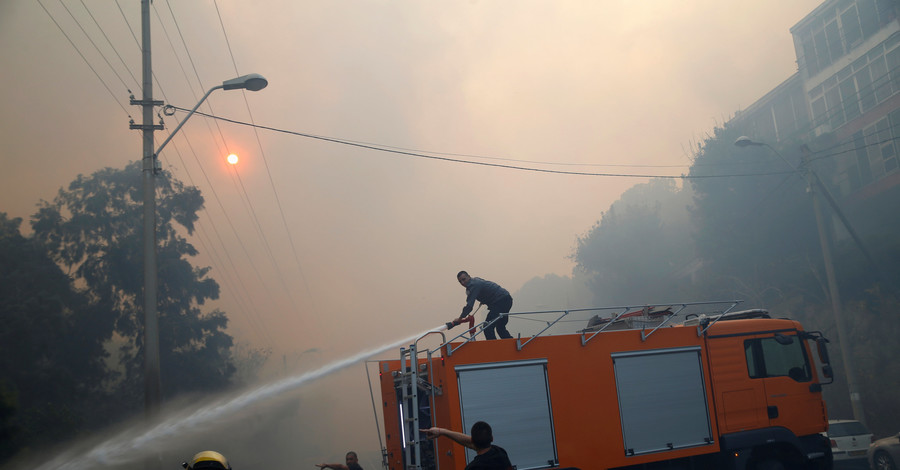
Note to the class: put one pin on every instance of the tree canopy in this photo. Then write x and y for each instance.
(94, 229)
(51, 345)
(71, 345)
(753, 237)
(636, 252)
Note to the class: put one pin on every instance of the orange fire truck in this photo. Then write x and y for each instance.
(645, 387)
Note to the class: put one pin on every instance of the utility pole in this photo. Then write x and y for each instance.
(839, 322)
(152, 395)
(816, 188)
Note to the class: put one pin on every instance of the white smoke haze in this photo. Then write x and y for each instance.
(600, 87)
(260, 410)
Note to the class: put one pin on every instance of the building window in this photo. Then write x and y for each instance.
(818, 112)
(862, 173)
(809, 53)
(835, 110)
(882, 154)
(857, 88)
(893, 65)
(822, 55)
(868, 17)
(839, 29)
(890, 156)
(881, 81)
(850, 98)
(866, 92)
(850, 26)
(833, 36)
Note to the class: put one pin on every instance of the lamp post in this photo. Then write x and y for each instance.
(815, 183)
(152, 395)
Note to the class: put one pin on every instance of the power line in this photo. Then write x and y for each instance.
(138, 43)
(194, 67)
(113, 95)
(96, 48)
(174, 52)
(231, 225)
(215, 194)
(262, 153)
(96, 23)
(263, 236)
(469, 162)
(251, 209)
(253, 314)
(254, 317)
(485, 157)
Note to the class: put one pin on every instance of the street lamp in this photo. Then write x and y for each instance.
(814, 181)
(152, 395)
(252, 82)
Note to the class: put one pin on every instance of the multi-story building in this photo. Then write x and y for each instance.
(848, 52)
(844, 100)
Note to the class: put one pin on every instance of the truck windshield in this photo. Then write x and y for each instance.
(766, 357)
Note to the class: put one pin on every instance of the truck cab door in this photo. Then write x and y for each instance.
(741, 401)
(793, 399)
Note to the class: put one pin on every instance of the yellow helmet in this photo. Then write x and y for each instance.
(207, 459)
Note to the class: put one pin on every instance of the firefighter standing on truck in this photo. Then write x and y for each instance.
(495, 297)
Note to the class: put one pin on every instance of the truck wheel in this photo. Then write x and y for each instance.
(883, 461)
(769, 464)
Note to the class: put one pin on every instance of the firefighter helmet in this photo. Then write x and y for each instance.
(207, 459)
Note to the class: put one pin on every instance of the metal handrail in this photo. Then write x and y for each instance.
(701, 332)
(449, 344)
(586, 336)
(520, 344)
(670, 316)
(608, 324)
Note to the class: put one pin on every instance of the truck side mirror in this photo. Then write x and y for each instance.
(827, 372)
(823, 350)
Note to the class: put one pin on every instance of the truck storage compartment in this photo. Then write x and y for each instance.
(662, 400)
(513, 397)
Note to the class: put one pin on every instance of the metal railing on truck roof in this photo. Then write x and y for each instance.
(662, 313)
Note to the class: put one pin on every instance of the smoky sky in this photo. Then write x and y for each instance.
(324, 246)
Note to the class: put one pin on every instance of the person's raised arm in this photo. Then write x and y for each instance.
(458, 437)
(336, 466)
(471, 294)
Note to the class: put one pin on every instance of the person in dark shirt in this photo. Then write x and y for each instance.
(495, 297)
(352, 463)
(488, 456)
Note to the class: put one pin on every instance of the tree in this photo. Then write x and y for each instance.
(51, 346)
(94, 229)
(755, 230)
(758, 238)
(553, 292)
(248, 363)
(640, 250)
